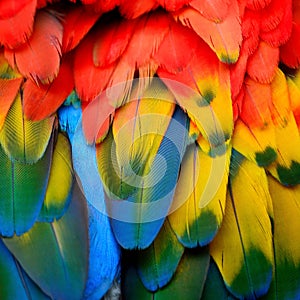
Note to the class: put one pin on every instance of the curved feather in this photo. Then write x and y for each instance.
(42, 50)
(224, 38)
(42, 101)
(14, 282)
(157, 264)
(104, 252)
(135, 200)
(22, 191)
(22, 140)
(16, 22)
(60, 182)
(246, 232)
(8, 91)
(60, 260)
(286, 275)
(194, 224)
(187, 283)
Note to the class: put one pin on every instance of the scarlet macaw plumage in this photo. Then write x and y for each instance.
(149, 149)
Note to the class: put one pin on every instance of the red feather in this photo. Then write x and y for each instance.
(134, 9)
(290, 52)
(256, 104)
(77, 23)
(173, 5)
(172, 54)
(273, 33)
(42, 101)
(257, 4)
(89, 79)
(146, 39)
(224, 38)
(16, 22)
(214, 10)
(112, 40)
(39, 58)
(262, 64)
(8, 93)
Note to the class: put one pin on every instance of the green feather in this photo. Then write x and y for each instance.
(55, 255)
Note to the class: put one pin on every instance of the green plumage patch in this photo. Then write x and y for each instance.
(266, 157)
(254, 286)
(289, 176)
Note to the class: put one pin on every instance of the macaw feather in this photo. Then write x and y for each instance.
(22, 191)
(60, 182)
(42, 50)
(42, 101)
(286, 224)
(23, 140)
(15, 283)
(60, 260)
(245, 231)
(157, 264)
(194, 223)
(152, 184)
(16, 22)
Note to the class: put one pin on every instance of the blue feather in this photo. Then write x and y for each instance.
(159, 197)
(104, 256)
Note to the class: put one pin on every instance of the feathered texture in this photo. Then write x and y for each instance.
(60, 247)
(22, 191)
(184, 121)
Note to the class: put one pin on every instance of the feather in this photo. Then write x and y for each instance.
(257, 4)
(104, 252)
(262, 64)
(149, 32)
(77, 23)
(23, 140)
(14, 282)
(112, 41)
(104, 255)
(16, 22)
(132, 10)
(59, 263)
(39, 57)
(41, 101)
(135, 220)
(256, 104)
(245, 231)
(257, 144)
(203, 91)
(281, 33)
(8, 91)
(289, 52)
(214, 285)
(172, 5)
(157, 264)
(172, 55)
(89, 79)
(187, 283)
(202, 180)
(287, 167)
(214, 10)
(224, 38)
(22, 191)
(286, 276)
(58, 191)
